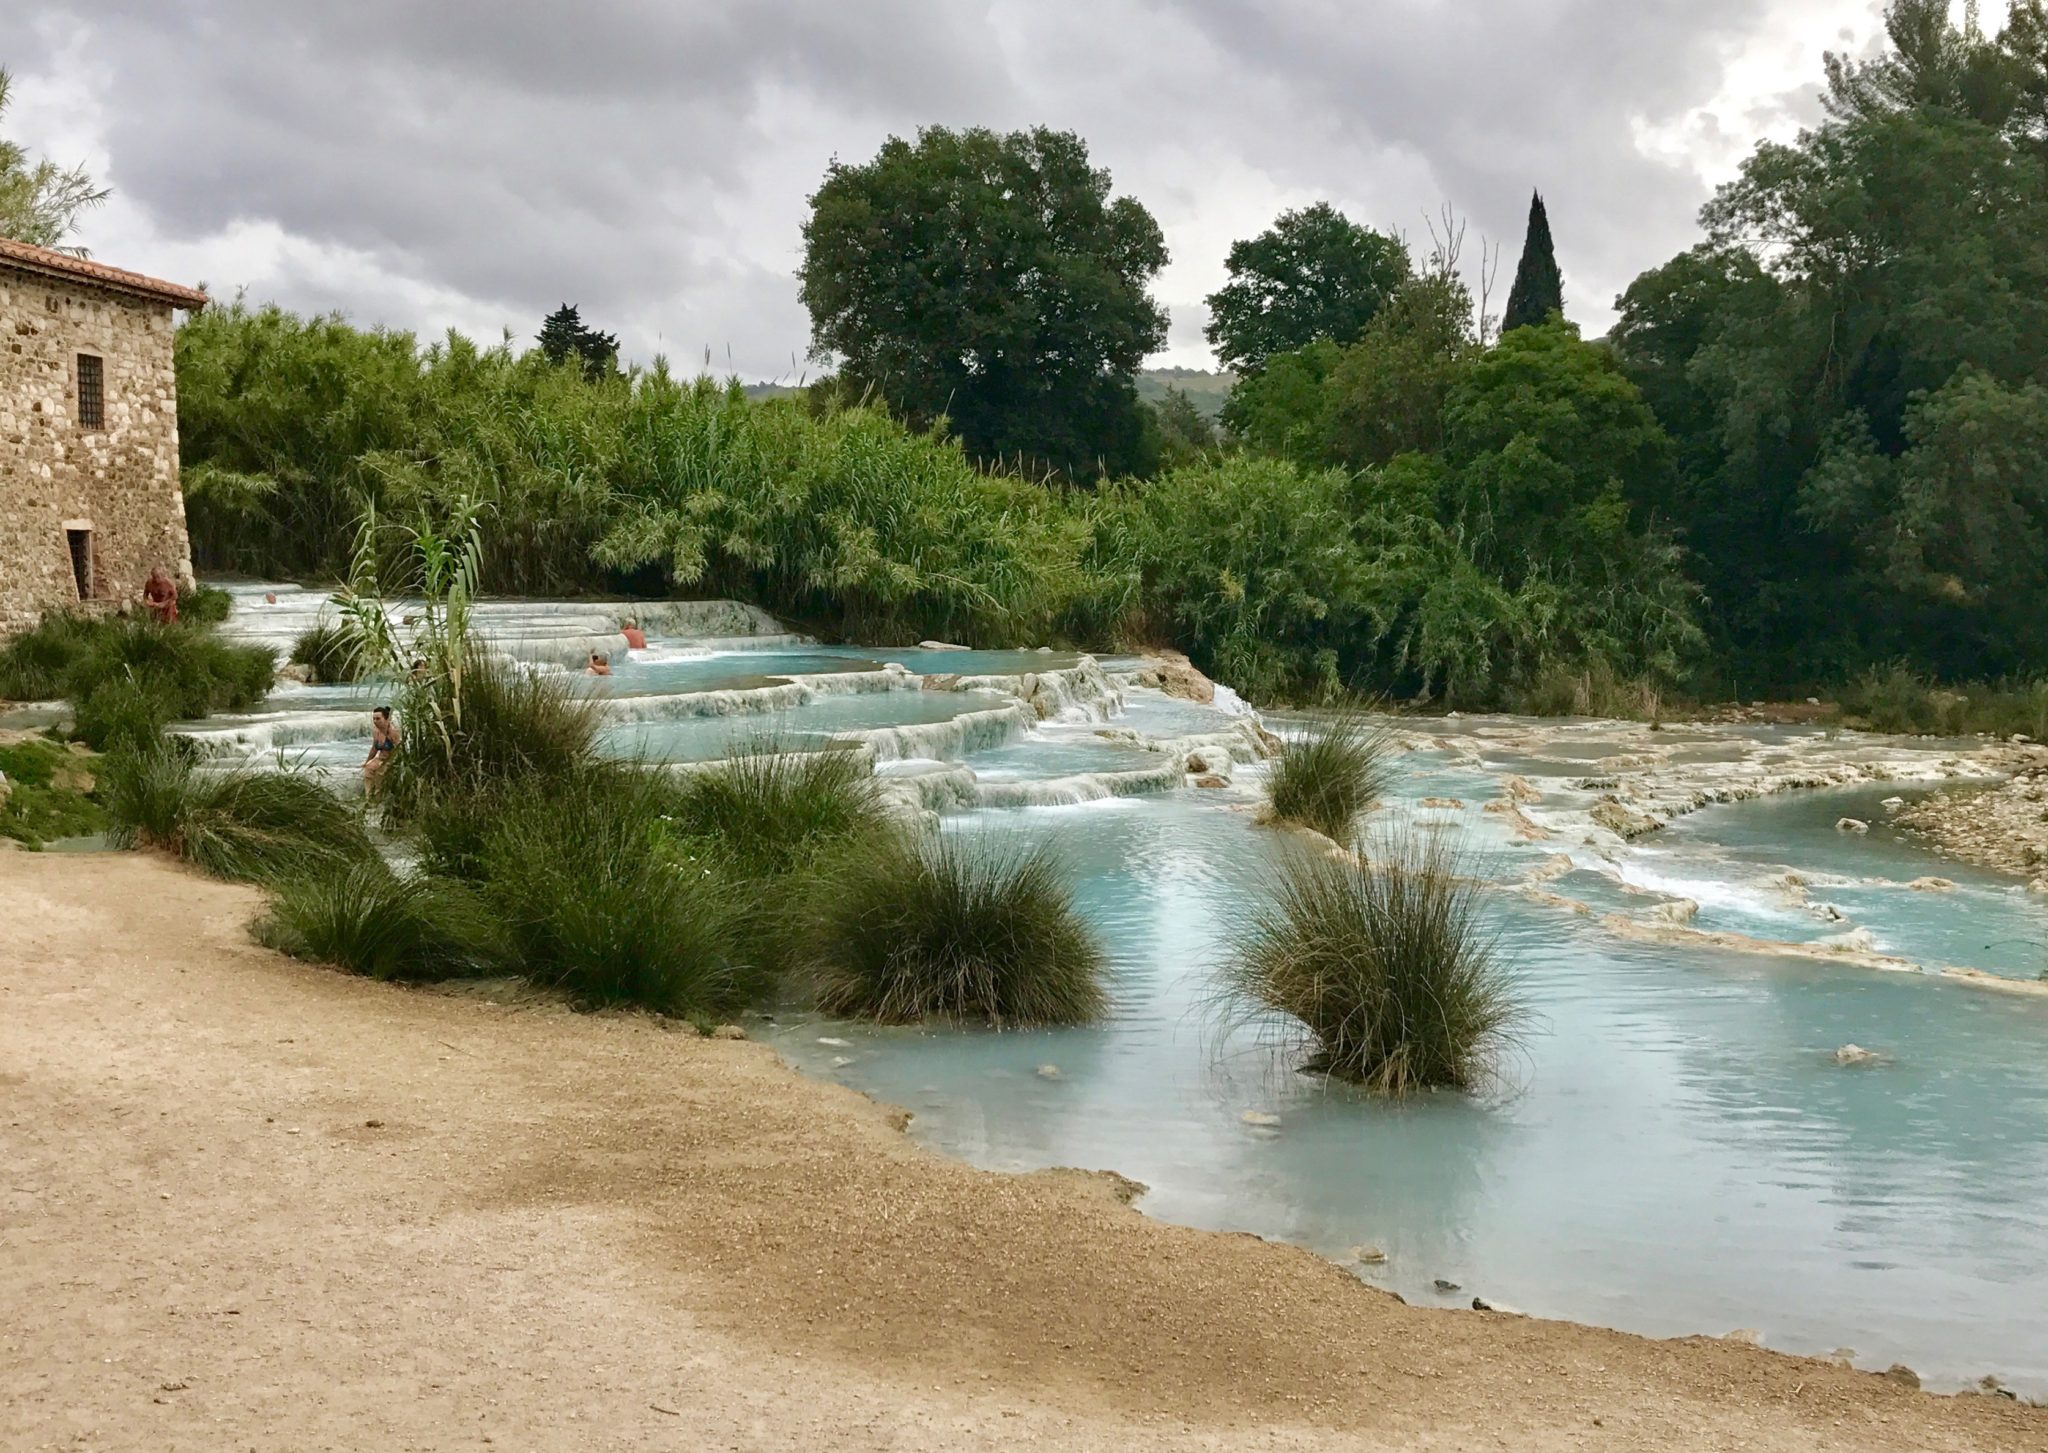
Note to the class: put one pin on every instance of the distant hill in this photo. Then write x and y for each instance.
(1206, 390)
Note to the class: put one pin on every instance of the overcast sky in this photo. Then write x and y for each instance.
(471, 163)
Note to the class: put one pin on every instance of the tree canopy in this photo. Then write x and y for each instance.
(1852, 363)
(1538, 290)
(991, 281)
(40, 201)
(563, 335)
(1313, 274)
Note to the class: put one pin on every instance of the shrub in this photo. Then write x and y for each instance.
(331, 653)
(204, 606)
(1330, 778)
(48, 794)
(921, 927)
(241, 824)
(369, 920)
(1385, 965)
(596, 897)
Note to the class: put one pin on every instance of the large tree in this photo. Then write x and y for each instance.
(1539, 287)
(39, 200)
(990, 280)
(1313, 274)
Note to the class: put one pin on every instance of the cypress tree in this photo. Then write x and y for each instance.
(1539, 286)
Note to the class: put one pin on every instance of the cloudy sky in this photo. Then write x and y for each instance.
(470, 163)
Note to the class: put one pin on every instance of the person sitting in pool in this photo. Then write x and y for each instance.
(384, 740)
(636, 639)
(600, 665)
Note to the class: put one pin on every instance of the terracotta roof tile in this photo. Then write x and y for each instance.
(78, 269)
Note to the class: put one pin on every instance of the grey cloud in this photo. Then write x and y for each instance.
(649, 159)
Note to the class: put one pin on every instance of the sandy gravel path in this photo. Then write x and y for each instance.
(246, 1204)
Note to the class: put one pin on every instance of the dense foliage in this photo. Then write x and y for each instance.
(1854, 366)
(992, 281)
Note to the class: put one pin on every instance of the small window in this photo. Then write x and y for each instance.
(92, 392)
(81, 558)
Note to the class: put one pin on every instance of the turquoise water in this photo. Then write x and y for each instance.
(1673, 1149)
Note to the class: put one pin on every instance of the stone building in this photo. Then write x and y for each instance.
(89, 498)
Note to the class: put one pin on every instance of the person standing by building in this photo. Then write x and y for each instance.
(161, 596)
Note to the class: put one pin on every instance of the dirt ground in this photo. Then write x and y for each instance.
(247, 1204)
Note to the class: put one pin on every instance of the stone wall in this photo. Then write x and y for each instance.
(121, 479)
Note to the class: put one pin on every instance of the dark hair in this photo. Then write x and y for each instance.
(383, 711)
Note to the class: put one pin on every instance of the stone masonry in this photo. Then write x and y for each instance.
(87, 507)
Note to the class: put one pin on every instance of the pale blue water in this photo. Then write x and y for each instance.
(1674, 1150)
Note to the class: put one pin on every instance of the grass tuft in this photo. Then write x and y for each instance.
(1331, 778)
(203, 605)
(922, 927)
(246, 824)
(372, 921)
(34, 663)
(331, 652)
(596, 897)
(505, 726)
(775, 810)
(1386, 965)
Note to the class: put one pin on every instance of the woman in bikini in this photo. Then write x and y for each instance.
(384, 740)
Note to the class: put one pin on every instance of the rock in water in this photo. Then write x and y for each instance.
(1677, 911)
(1049, 1072)
(1855, 1054)
(1368, 1256)
(1900, 1373)
(1443, 1284)
(1748, 1336)
(941, 646)
(1853, 825)
(1932, 885)
(1260, 1119)
(1893, 804)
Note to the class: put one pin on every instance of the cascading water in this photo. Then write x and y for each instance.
(1677, 1148)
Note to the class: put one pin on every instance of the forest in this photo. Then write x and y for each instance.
(1813, 446)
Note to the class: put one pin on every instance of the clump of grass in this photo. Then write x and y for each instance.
(47, 794)
(1332, 777)
(123, 714)
(1386, 966)
(34, 663)
(596, 897)
(1595, 690)
(203, 605)
(774, 810)
(934, 927)
(245, 824)
(1899, 700)
(195, 671)
(497, 725)
(331, 652)
(372, 921)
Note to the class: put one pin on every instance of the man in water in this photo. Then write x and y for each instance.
(636, 639)
(161, 596)
(384, 740)
(600, 665)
